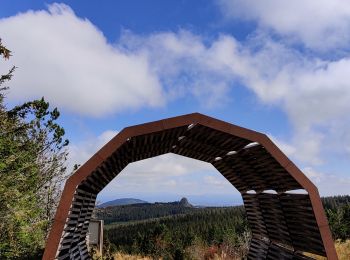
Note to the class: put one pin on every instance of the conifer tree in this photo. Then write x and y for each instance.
(32, 158)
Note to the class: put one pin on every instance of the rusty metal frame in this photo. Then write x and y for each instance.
(57, 232)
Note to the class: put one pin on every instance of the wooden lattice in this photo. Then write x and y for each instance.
(284, 224)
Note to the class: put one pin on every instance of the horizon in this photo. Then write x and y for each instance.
(190, 200)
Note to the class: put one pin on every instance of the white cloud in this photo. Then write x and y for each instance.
(168, 174)
(328, 184)
(217, 181)
(310, 89)
(69, 61)
(285, 147)
(304, 147)
(314, 92)
(72, 65)
(171, 183)
(185, 64)
(167, 164)
(180, 176)
(320, 24)
(79, 153)
(165, 174)
(313, 174)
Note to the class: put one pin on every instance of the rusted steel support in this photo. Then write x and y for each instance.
(284, 224)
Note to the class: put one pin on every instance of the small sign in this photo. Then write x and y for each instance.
(95, 235)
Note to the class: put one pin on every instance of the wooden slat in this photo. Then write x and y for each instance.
(282, 224)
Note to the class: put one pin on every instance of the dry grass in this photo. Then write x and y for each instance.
(198, 252)
(121, 256)
(342, 248)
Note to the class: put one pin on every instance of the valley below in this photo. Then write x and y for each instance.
(180, 230)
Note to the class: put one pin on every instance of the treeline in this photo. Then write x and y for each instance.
(143, 211)
(172, 237)
(172, 231)
(338, 213)
(334, 202)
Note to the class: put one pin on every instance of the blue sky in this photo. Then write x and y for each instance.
(279, 67)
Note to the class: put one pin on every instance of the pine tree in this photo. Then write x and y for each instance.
(32, 156)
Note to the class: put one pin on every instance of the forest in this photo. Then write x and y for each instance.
(175, 231)
(178, 236)
(338, 213)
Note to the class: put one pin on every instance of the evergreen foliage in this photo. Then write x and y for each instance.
(338, 213)
(172, 230)
(334, 202)
(32, 157)
(170, 237)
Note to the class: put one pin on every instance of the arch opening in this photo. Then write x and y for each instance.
(169, 177)
(282, 224)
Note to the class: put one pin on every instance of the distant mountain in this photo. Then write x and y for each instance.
(184, 202)
(121, 202)
(143, 211)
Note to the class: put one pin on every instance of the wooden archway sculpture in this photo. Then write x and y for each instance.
(283, 224)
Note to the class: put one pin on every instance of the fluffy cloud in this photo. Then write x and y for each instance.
(68, 60)
(184, 64)
(308, 150)
(80, 71)
(79, 153)
(168, 164)
(304, 149)
(318, 24)
(216, 181)
(310, 89)
(72, 65)
(314, 92)
(328, 184)
(175, 176)
(167, 174)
